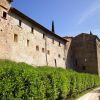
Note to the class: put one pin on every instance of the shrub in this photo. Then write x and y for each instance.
(19, 81)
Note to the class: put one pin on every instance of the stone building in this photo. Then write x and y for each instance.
(86, 53)
(24, 40)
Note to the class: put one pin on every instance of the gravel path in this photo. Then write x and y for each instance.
(93, 95)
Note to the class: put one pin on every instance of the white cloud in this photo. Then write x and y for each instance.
(90, 11)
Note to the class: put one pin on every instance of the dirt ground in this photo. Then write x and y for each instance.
(93, 95)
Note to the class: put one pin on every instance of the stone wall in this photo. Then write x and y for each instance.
(69, 53)
(98, 54)
(50, 52)
(84, 49)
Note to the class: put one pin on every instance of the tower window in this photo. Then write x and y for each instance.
(27, 42)
(83, 68)
(15, 38)
(20, 23)
(4, 14)
(37, 48)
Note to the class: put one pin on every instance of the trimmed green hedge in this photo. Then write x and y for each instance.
(19, 81)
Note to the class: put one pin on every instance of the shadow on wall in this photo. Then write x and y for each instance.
(70, 62)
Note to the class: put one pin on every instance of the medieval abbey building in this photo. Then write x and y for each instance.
(24, 40)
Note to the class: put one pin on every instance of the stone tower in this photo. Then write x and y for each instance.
(85, 52)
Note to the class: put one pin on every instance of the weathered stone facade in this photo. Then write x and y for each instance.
(24, 40)
(86, 53)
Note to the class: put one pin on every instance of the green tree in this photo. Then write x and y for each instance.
(53, 27)
(91, 33)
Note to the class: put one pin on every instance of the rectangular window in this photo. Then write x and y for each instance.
(43, 50)
(59, 55)
(43, 36)
(55, 62)
(63, 58)
(4, 14)
(37, 48)
(28, 43)
(20, 23)
(59, 44)
(15, 38)
(48, 52)
(32, 29)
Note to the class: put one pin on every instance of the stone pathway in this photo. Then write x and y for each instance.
(93, 95)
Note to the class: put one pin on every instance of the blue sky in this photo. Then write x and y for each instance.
(71, 17)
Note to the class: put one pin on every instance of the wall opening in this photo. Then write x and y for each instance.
(55, 62)
(28, 43)
(59, 44)
(20, 23)
(83, 67)
(37, 48)
(43, 50)
(32, 30)
(48, 52)
(15, 38)
(43, 35)
(59, 55)
(4, 14)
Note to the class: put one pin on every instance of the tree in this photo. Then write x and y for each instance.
(53, 27)
(91, 33)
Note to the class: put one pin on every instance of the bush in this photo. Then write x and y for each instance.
(19, 81)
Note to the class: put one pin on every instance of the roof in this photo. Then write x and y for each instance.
(10, 0)
(15, 11)
(67, 37)
(87, 34)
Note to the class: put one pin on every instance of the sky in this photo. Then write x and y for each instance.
(71, 17)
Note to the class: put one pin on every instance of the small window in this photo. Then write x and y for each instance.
(59, 44)
(43, 36)
(20, 23)
(64, 58)
(59, 55)
(37, 48)
(32, 29)
(27, 42)
(83, 68)
(4, 14)
(48, 52)
(43, 50)
(15, 38)
(55, 62)
(53, 41)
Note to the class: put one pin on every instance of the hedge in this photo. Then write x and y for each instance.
(19, 81)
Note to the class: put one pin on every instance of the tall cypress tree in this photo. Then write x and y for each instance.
(53, 27)
(91, 33)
